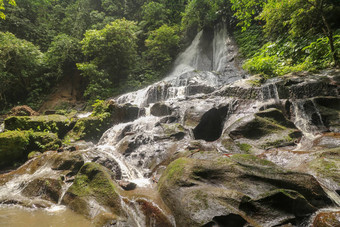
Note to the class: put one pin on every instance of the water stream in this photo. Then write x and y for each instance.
(134, 149)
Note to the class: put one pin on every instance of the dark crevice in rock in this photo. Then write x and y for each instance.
(211, 124)
(227, 221)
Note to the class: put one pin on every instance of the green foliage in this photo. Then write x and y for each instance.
(2, 7)
(155, 14)
(246, 10)
(62, 56)
(291, 55)
(319, 52)
(201, 13)
(111, 53)
(20, 69)
(249, 41)
(162, 46)
(100, 107)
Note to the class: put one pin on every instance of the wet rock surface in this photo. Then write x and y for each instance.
(201, 191)
(193, 149)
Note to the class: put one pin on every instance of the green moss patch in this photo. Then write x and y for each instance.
(93, 182)
(59, 124)
(16, 145)
(90, 128)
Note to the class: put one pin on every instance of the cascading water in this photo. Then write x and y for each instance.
(207, 62)
(133, 151)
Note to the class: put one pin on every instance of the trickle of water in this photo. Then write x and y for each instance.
(270, 92)
(308, 118)
(2, 127)
(135, 214)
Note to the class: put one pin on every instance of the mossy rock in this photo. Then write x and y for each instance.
(16, 145)
(13, 145)
(93, 185)
(200, 191)
(276, 116)
(90, 128)
(329, 109)
(33, 154)
(263, 130)
(43, 141)
(327, 165)
(45, 188)
(160, 109)
(52, 123)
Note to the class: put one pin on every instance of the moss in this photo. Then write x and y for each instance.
(13, 146)
(33, 154)
(202, 197)
(43, 141)
(93, 182)
(276, 117)
(244, 147)
(328, 164)
(251, 160)
(90, 128)
(174, 171)
(46, 123)
(170, 129)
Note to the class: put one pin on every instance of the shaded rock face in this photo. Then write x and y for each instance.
(211, 124)
(160, 109)
(45, 188)
(265, 129)
(202, 192)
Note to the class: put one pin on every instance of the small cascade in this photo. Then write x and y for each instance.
(13, 188)
(136, 216)
(2, 127)
(65, 187)
(307, 117)
(270, 92)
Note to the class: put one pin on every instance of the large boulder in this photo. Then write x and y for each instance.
(44, 188)
(215, 191)
(93, 192)
(16, 145)
(13, 146)
(265, 129)
(160, 109)
(59, 124)
(326, 164)
(90, 128)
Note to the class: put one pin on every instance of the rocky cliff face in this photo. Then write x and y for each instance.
(207, 146)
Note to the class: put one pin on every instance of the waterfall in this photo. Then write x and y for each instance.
(208, 61)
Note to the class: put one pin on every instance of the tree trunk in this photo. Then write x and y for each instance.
(329, 34)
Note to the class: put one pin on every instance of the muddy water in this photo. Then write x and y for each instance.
(16, 216)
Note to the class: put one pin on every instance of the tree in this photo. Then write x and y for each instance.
(2, 7)
(62, 56)
(162, 46)
(246, 11)
(299, 17)
(155, 15)
(20, 69)
(110, 53)
(202, 13)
